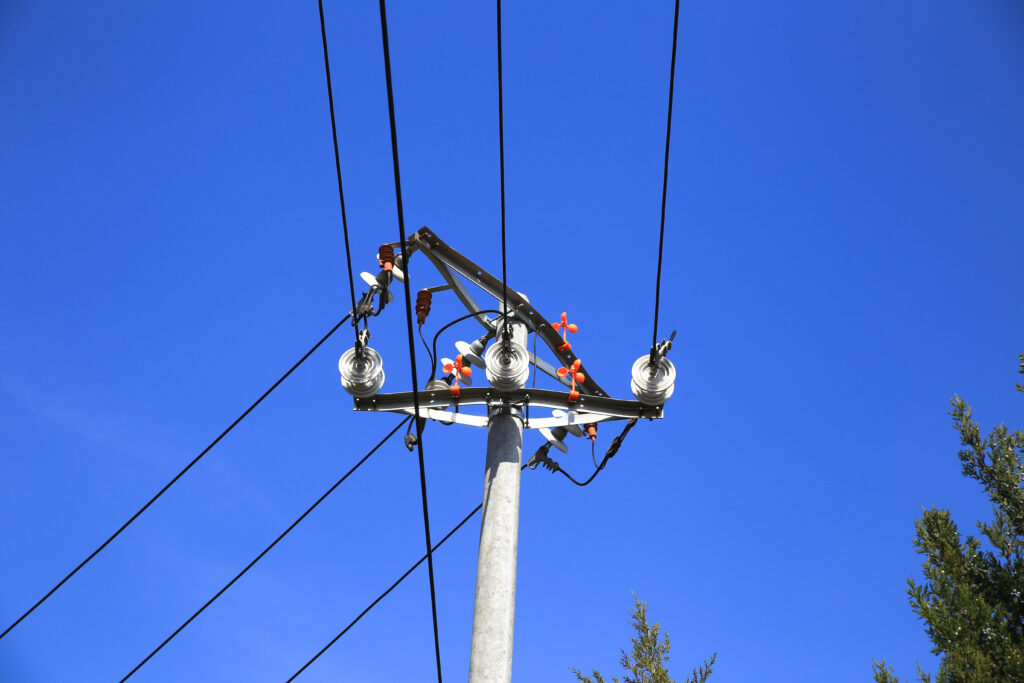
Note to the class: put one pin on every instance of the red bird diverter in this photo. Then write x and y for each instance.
(573, 371)
(457, 371)
(565, 326)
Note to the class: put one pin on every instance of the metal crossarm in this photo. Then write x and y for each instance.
(435, 404)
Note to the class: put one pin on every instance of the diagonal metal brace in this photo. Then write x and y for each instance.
(450, 262)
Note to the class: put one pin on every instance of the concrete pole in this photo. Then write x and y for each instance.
(490, 657)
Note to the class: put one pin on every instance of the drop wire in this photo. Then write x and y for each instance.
(501, 164)
(408, 317)
(337, 168)
(664, 186)
(390, 588)
(266, 550)
(176, 477)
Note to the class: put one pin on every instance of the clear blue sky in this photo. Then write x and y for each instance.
(843, 255)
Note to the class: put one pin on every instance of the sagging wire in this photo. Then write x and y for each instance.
(337, 167)
(433, 367)
(408, 317)
(506, 338)
(536, 333)
(430, 355)
(175, 478)
(266, 550)
(664, 186)
(542, 458)
(389, 589)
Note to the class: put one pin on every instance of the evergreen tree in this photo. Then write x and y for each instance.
(972, 596)
(646, 664)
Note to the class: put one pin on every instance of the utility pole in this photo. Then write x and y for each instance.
(508, 403)
(490, 657)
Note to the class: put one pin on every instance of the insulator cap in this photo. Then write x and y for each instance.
(437, 384)
(510, 370)
(423, 299)
(653, 385)
(361, 375)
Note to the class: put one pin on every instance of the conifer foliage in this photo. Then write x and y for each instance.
(971, 598)
(646, 662)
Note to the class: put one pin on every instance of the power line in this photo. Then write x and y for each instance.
(176, 477)
(337, 164)
(408, 318)
(664, 186)
(389, 589)
(434, 356)
(265, 550)
(501, 156)
(613, 448)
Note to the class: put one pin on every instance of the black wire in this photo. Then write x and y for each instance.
(430, 355)
(664, 186)
(433, 366)
(593, 451)
(612, 450)
(176, 477)
(535, 335)
(408, 317)
(501, 155)
(337, 166)
(267, 549)
(390, 588)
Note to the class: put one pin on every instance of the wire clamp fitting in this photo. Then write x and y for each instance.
(542, 458)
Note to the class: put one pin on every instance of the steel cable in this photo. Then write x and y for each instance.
(408, 317)
(501, 164)
(389, 589)
(664, 186)
(176, 477)
(337, 167)
(267, 549)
